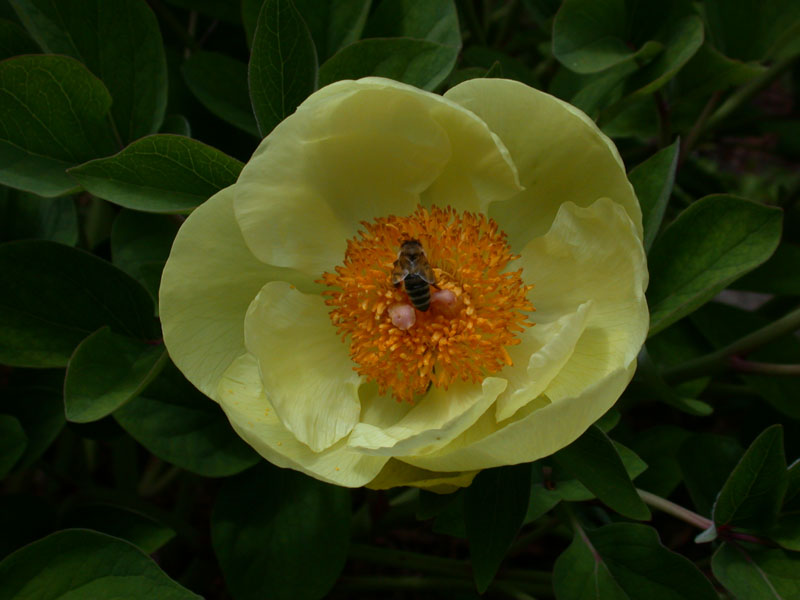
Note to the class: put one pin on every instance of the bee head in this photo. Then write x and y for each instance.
(412, 249)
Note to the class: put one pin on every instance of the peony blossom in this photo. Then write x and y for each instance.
(278, 299)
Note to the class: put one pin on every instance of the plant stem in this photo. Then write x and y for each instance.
(697, 128)
(473, 22)
(747, 91)
(720, 360)
(749, 366)
(677, 511)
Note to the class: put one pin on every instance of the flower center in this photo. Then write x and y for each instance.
(477, 304)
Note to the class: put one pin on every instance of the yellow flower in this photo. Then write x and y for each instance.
(278, 299)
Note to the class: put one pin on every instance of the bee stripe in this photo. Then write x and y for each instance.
(419, 292)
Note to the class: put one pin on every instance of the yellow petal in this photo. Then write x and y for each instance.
(434, 421)
(209, 281)
(533, 432)
(242, 397)
(559, 152)
(357, 150)
(591, 254)
(306, 369)
(541, 354)
(396, 473)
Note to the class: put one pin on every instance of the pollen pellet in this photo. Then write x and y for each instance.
(478, 305)
(403, 315)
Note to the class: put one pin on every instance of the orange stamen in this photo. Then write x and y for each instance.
(465, 339)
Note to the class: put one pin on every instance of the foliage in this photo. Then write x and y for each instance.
(119, 117)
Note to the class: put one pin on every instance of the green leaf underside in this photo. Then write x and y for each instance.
(140, 245)
(334, 24)
(757, 573)
(52, 296)
(754, 490)
(39, 408)
(653, 180)
(711, 243)
(626, 561)
(595, 462)
(181, 426)
(119, 41)
(53, 115)
(160, 173)
(143, 532)
(265, 547)
(12, 443)
(105, 371)
(220, 83)
(432, 20)
(495, 506)
(81, 563)
(283, 64)
(419, 63)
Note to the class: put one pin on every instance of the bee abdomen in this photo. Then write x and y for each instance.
(419, 292)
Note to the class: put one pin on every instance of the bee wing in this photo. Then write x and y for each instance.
(400, 271)
(426, 272)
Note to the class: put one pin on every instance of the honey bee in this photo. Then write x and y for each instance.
(413, 270)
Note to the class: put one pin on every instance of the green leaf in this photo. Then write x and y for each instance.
(432, 20)
(711, 243)
(705, 460)
(334, 24)
(119, 41)
(140, 245)
(658, 446)
(220, 83)
(291, 543)
(14, 40)
(752, 30)
(140, 530)
(283, 64)
(39, 407)
(589, 35)
(495, 506)
(181, 426)
(682, 39)
(27, 216)
(791, 500)
(420, 63)
(754, 490)
(757, 573)
(595, 462)
(723, 324)
(12, 443)
(160, 173)
(652, 181)
(52, 296)
(177, 125)
(53, 115)
(786, 532)
(626, 561)
(80, 563)
(708, 71)
(650, 385)
(106, 371)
